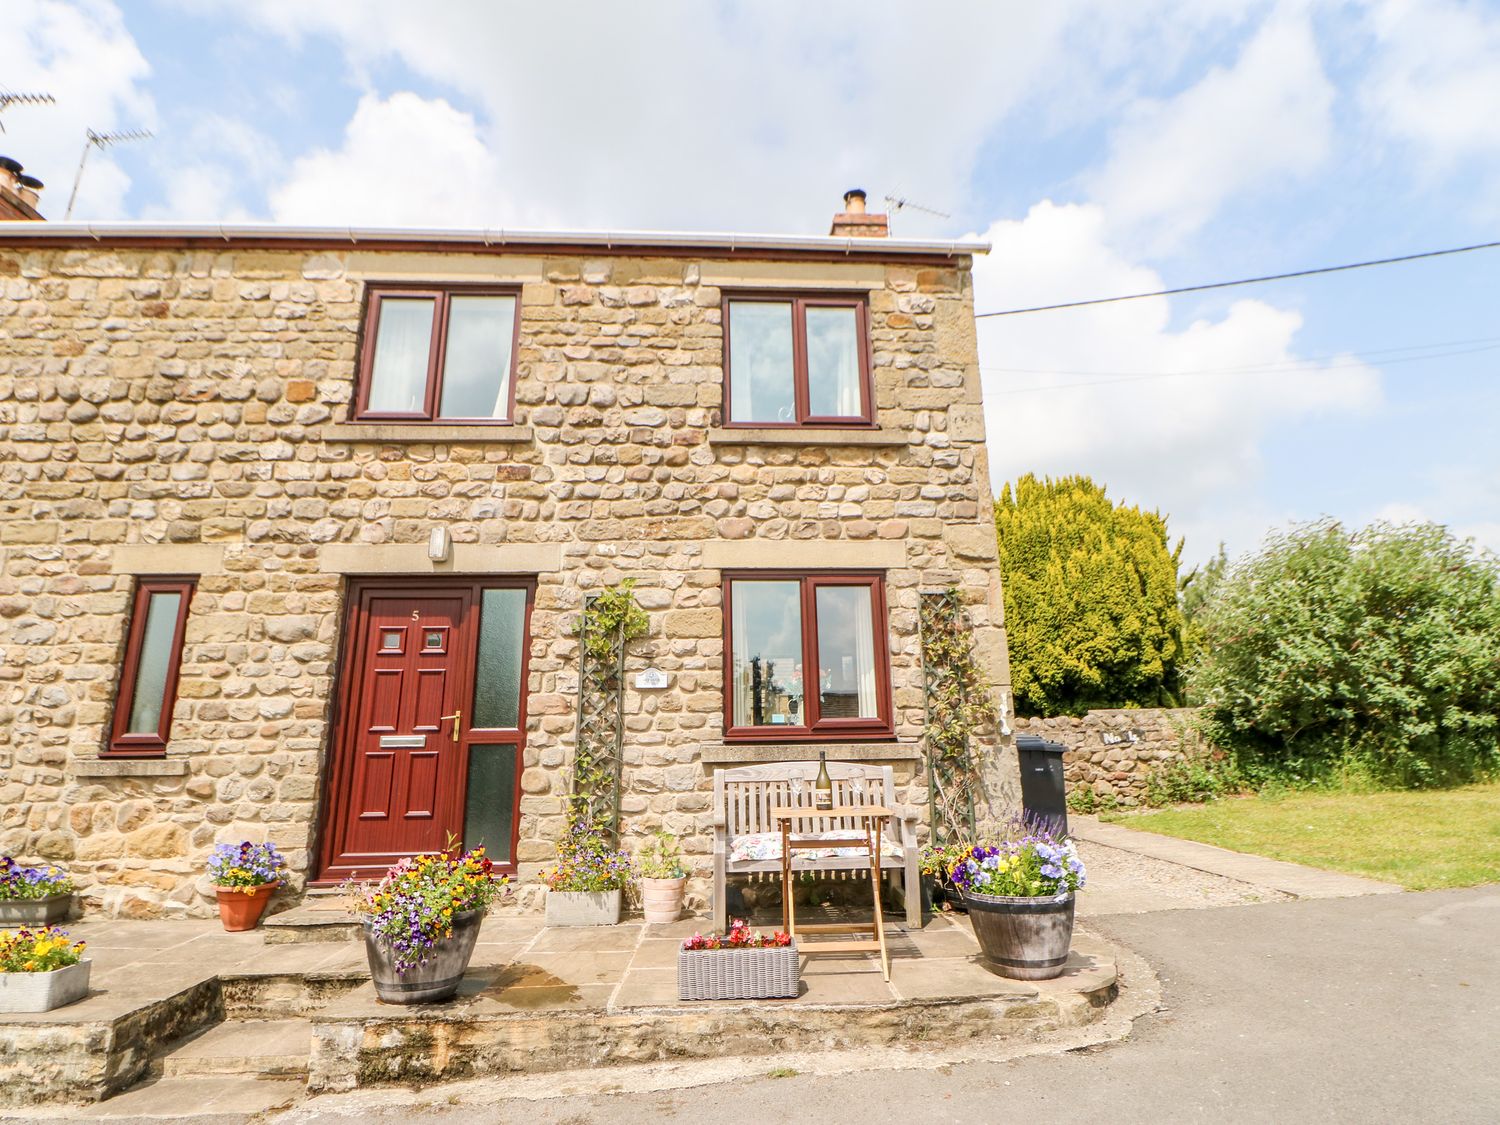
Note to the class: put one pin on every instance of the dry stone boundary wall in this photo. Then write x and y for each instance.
(1113, 751)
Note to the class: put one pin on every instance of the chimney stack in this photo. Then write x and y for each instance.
(19, 193)
(854, 222)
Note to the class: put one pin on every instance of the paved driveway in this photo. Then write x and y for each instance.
(1376, 1009)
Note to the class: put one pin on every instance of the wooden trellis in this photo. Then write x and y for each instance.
(601, 722)
(957, 705)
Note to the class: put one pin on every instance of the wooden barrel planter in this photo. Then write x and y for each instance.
(1023, 938)
(438, 977)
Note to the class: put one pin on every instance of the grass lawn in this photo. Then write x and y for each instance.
(1422, 840)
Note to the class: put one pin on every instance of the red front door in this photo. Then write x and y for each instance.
(401, 765)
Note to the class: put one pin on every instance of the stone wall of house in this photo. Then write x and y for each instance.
(1112, 751)
(179, 410)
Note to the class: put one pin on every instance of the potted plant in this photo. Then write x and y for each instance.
(586, 887)
(1020, 898)
(245, 876)
(421, 922)
(740, 965)
(663, 878)
(938, 891)
(41, 970)
(33, 896)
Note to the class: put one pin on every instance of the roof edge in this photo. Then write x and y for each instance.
(15, 232)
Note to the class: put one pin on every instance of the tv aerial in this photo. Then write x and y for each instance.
(9, 98)
(894, 203)
(101, 141)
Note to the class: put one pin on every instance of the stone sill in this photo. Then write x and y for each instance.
(753, 753)
(421, 433)
(130, 767)
(864, 437)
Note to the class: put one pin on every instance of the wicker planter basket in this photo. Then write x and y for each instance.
(738, 974)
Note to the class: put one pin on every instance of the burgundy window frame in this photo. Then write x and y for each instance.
(801, 302)
(816, 728)
(122, 743)
(437, 351)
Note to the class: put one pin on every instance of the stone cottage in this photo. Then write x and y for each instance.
(297, 524)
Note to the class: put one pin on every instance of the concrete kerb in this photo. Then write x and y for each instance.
(1292, 879)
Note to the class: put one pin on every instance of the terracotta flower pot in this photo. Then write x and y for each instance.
(661, 899)
(240, 908)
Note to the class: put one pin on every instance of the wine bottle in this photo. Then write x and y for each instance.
(823, 787)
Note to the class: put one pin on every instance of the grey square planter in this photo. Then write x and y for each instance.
(584, 908)
(738, 974)
(41, 992)
(35, 911)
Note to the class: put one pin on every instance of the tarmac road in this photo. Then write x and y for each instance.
(1376, 1009)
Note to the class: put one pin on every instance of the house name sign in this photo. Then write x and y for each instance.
(651, 679)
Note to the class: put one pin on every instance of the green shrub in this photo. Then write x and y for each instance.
(1091, 606)
(1084, 800)
(1192, 780)
(1374, 653)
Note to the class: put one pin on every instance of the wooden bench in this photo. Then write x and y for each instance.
(744, 797)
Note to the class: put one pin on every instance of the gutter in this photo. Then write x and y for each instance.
(17, 232)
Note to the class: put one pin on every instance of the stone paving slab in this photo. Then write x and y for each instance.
(207, 1101)
(244, 1048)
(1293, 879)
(547, 1011)
(534, 999)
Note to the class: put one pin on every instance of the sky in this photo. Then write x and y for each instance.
(1103, 148)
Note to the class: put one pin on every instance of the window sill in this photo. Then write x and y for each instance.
(130, 767)
(750, 753)
(808, 435)
(423, 432)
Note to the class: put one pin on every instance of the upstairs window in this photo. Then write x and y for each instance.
(435, 355)
(806, 657)
(153, 655)
(797, 361)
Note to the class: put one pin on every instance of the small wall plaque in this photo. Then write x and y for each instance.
(651, 678)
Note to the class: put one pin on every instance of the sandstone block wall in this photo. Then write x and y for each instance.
(1113, 751)
(166, 410)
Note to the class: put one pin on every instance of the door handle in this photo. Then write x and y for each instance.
(455, 717)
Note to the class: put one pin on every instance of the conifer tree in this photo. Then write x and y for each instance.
(1090, 599)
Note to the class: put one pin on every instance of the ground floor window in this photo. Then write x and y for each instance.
(806, 656)
(153, 654)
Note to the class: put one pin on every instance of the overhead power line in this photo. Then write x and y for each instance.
(1247, 280)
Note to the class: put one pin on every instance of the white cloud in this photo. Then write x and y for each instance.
(82, 53)
(1435, 80)
(1173, 163)
(1463, 496)
(1064, 390)
(405, 161)
(692, 115)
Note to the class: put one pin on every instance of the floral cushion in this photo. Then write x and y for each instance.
(767, 845)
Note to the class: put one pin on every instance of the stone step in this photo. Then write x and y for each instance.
(204, 1101)
(312, 921)
(244, 1048)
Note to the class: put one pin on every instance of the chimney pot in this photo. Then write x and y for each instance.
(18, 194)
(853, 222)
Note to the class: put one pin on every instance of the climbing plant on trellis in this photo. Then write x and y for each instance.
(959, 707)
(609, 620)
